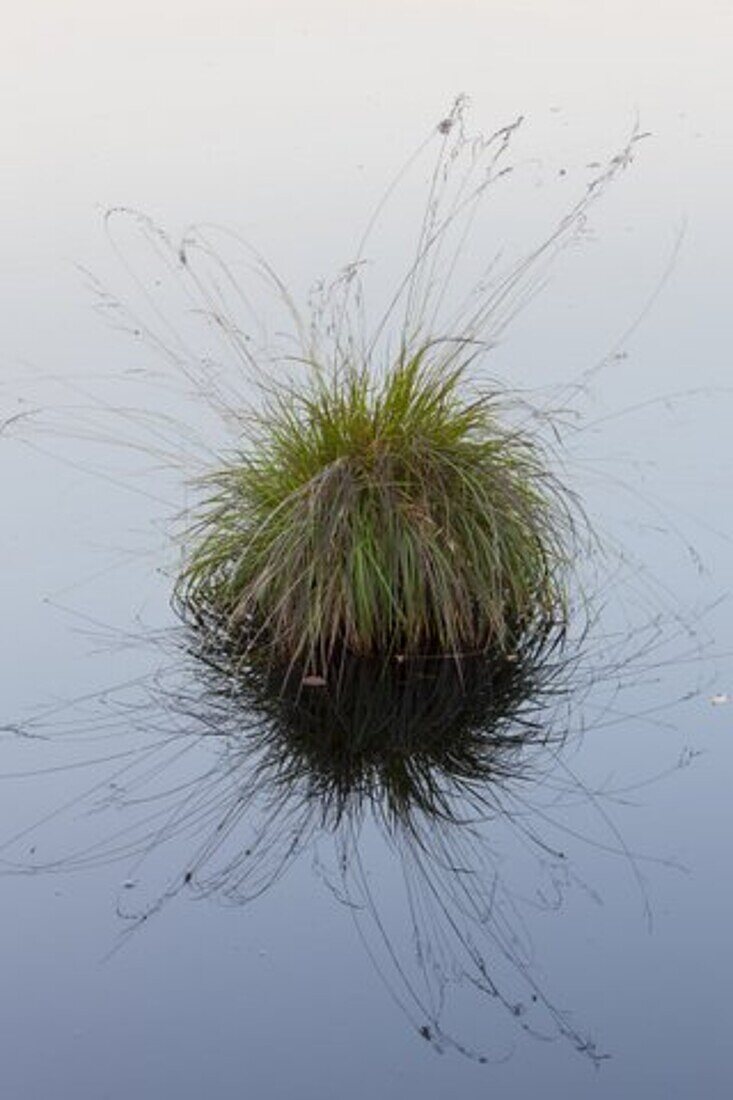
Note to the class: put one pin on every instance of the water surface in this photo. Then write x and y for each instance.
(288, 125)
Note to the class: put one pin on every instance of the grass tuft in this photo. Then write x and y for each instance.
(378, 505)
(390, 515)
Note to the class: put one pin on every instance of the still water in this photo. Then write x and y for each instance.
(516, 888)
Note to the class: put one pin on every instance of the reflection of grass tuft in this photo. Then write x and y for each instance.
(421, 738)
(391, 515)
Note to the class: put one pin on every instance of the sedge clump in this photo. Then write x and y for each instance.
(381, 516)
(384, 505)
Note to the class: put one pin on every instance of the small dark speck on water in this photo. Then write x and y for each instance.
(426, 1032)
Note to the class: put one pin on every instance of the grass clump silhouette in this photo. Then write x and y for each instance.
(377, 516)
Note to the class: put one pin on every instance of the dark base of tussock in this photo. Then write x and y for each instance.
(245, 658)
(246, 650)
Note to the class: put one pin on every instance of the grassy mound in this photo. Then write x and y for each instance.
(380, 507)
(380, 516)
